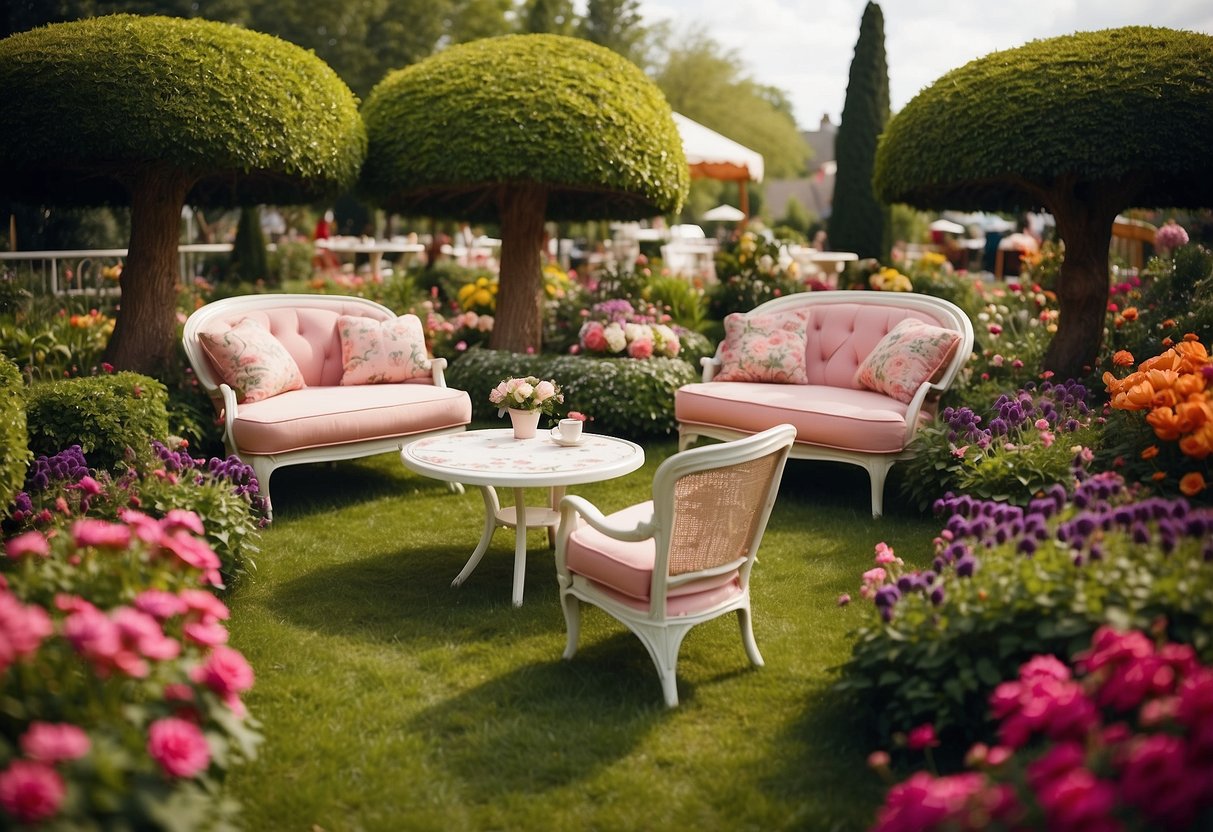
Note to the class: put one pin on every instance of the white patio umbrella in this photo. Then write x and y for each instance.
(724, 213)
(947, 227)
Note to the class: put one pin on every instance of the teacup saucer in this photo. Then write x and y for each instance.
(566, 443)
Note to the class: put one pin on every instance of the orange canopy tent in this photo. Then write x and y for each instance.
(713, 156)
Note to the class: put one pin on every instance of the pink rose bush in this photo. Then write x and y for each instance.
(1122, 740)
(616, 328)
(113, 641)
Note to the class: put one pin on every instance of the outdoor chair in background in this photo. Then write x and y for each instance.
(684, 557)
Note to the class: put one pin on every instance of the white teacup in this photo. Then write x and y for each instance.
(568, 430)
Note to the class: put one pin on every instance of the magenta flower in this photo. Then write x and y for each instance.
(53, 742)
(206, 633)
(101, 534)
(204, 604)
(226, 673)
(29, 543)
(22, 629)
(178, 746)
(844, 599)
(181, 519)
(31, 792)
(160, 604)
(922, 737)
(89, 486)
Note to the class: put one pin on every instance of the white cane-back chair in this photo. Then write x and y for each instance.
(680, 559)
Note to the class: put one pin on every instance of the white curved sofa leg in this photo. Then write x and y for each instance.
(878, 471)
(263, 466)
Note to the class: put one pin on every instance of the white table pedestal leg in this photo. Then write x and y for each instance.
(519, 545)
(491, 506)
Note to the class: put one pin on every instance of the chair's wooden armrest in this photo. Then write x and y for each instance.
(571, 507)
(711, 366)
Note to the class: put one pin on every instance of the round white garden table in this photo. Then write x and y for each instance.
(494, 459)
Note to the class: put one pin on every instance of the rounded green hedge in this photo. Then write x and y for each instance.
(558, 111)
(110, 417)
(623, 396)
(14, 440)
(256, 118)
(1105, 105)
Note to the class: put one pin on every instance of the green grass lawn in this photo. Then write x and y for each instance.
(391, 701)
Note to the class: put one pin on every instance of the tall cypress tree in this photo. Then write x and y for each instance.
(859, 222)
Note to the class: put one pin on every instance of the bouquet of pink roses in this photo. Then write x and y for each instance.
(527, 393)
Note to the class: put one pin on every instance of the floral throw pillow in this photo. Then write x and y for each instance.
(379, 352)
(911, 353)
(251, 361)
(768, 348)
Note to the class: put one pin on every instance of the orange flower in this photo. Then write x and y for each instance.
(1166, 398)
(1190, 384)
(1130, 314)
(1150, 452)
(1123, 358)
(1165, 423)
(1191, 336)
(1192, 484)
(1168, 360)
(1111, 382)
(1158, 476)
(1200, 444)
(1166, 342)
(1137, 397)
(1193, 351)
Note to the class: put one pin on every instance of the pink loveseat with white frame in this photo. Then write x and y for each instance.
(323, 420)
(836, 418)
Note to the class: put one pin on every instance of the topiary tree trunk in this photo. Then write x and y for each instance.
(519, 320)
(145, 333)
(1082, 288)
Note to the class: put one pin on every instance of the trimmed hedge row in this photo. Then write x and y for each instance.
(108, 416)
(14, 439)
(624, 396)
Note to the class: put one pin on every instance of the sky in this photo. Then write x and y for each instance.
(805, 47)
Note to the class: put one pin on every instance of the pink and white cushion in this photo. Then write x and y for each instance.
(765, 348)
(626, 567)
(250, 360)
(378, 352)
(912, 352)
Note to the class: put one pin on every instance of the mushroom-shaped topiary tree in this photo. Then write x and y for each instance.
(519, 129)
(1083, 126)
(155, 111)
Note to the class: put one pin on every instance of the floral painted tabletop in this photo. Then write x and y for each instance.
(495, 457)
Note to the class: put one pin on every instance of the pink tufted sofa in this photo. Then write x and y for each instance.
(836, 418)
(321, 421)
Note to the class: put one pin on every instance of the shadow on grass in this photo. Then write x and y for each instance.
(547, 724)
(303, 490)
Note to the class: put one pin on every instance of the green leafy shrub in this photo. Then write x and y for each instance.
(1009, 450)
(52, 342)
(290, 262)
(14, 439)
(223, 493)
(1008, 583)
(122, 701)
(750, 274)
(622, 396)
(111, 417)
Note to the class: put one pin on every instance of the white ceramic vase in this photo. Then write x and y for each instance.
(525, 422)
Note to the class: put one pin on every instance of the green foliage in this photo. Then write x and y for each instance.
(562, 113)
(796, 217)
(249, 260)
(1176, 298)
(267, 120)
(702, 81)
(290, 262)
(1125, 564)
(859, 221)
(623, 396)
(998, 450)
(1053, 108)
(14, 439)
(749, 275)
(111, 417)
(553, 17)
(48, 342)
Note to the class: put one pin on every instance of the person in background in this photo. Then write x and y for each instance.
(324, 259)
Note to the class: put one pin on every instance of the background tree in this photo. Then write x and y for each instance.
(523, 128)
(249, 260)
(552, 17)
(1052, 117)
(615, 24)
(169, 110)
(859, 221)
(701, 81)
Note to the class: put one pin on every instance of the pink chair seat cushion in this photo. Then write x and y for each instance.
(626, 567)
(315, 417)
(832, 417)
